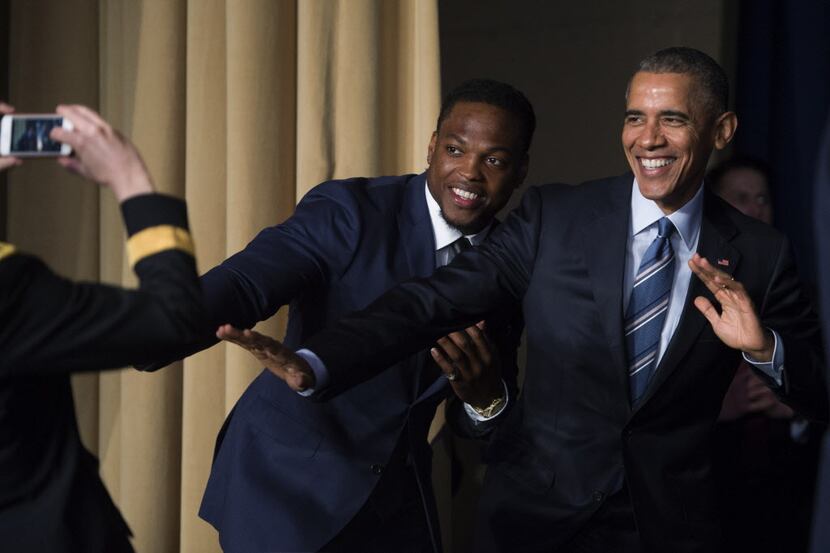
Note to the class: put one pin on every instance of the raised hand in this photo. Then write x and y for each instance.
(468, 359)
(101, 154)
(8, 161)
(274, 356)
(737, 324)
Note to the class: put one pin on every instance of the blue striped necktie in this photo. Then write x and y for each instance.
(647, 309)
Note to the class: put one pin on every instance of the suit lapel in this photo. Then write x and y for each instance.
(415, 228)
(715, 232)
(604, 243)
(418, 242)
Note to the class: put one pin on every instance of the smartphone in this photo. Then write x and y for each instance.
(28, 135)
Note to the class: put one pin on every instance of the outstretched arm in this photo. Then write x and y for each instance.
(412, 316)
(53, 325)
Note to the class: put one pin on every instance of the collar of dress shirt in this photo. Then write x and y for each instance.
(686, 220)
(445, 234)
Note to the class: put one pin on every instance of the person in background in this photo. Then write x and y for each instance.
(764, 456)
(51, 496)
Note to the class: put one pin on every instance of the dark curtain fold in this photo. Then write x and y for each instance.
(782, 98)
(821, 528)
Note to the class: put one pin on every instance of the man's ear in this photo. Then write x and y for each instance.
(431, 147)
(725, 128)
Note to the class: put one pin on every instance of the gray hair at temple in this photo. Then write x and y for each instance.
(710, 77)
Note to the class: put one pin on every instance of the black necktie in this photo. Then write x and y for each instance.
(458, 246)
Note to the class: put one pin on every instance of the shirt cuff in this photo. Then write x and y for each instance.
(479, 418)
(321, 374)
(775, 368)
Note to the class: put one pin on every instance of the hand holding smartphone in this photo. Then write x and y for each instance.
(28, 135)
(101, 153)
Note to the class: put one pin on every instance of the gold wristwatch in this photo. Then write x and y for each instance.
(493, 408)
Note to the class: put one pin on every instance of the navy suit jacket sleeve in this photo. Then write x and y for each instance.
(52, 325)
(314, 245)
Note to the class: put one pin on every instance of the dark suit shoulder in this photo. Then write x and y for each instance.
(360, 190)
(568, 200)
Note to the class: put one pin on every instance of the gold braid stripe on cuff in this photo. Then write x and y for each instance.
(153, 240)
(6, 250)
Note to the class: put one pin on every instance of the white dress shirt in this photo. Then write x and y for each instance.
(642, 232)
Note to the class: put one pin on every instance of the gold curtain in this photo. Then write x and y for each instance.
(240, 106)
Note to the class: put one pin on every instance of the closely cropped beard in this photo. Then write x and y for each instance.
(473, 227)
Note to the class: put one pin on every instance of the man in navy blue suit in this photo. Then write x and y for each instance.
(353, 473)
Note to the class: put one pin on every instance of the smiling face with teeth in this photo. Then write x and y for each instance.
(476, 160)
(669, 134)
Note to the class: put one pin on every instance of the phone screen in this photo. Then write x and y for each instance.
(31, 135)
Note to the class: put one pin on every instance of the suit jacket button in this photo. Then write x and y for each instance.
(598, 497)
(377, 468)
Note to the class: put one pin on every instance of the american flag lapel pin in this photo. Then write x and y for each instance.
(723, 261)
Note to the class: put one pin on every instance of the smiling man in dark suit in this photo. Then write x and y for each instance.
(607, 447)
(353, 473)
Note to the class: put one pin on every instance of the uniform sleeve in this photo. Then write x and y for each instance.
(51, 325)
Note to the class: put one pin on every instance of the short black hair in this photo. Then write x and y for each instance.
(714, 178)
(709, 75)
(494, 93)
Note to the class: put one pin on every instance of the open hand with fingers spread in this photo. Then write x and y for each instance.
(737, 325)
(277, 358)
(468, 359)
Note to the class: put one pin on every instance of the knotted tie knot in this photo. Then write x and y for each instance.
(665, 228)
